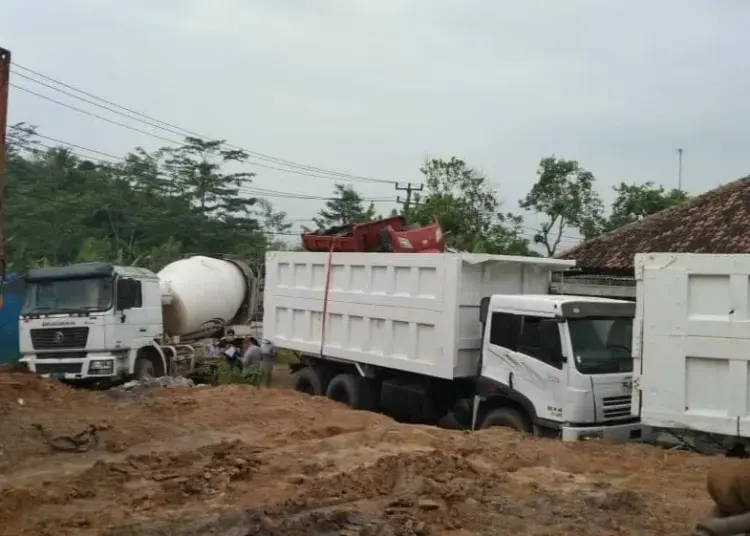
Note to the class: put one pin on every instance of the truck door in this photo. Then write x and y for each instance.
(523, 353)
(130, 324)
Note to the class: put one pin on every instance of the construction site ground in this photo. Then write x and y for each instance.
(242, 461)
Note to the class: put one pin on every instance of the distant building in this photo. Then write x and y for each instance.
(715, 222)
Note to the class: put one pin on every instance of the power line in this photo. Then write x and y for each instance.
(249, 190)
(174, 129)
(92, 114)
(171, 141)
(98, 105)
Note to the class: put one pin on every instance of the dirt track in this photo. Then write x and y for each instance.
(238, 461)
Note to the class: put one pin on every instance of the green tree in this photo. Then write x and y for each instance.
(274, 225)
(196, 170)
(143, 210)
(468, 211)
(346, 207)
(637, 201)
(564, 194)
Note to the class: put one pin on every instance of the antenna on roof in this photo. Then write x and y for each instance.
(679, 169)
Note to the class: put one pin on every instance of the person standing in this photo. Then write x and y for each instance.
(251, 356)
(229, 352)
(212, 348)
(268, 359)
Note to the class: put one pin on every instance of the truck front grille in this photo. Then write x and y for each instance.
(616, 407)
(58, 339)
(58, 368)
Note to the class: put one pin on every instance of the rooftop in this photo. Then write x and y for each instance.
(715, 222)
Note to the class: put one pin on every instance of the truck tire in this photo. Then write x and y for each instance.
(312, 381)
(507, 417)
(144, 369)
(352, 390)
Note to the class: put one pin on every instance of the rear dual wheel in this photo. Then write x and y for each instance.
(352, 390)
(312, 381)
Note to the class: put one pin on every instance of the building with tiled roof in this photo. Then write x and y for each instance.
(715, 222)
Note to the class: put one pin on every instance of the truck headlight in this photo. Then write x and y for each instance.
(590, 436)
(102, 366)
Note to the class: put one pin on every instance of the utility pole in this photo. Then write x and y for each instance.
(408, 189)
(679, 169)
(4, 81)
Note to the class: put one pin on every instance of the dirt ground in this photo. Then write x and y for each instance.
(242, 461)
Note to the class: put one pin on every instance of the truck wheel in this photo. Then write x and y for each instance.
(507, 417)
(311, 381)
(144, 369)
(352, 390)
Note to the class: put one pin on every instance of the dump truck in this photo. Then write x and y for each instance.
(97, 321)
(473, 338)
(691, 344)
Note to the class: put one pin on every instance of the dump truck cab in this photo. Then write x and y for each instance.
(564, 361)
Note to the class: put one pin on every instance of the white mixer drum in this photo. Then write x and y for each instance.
(197, 290)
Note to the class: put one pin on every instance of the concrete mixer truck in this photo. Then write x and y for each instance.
(97, 322)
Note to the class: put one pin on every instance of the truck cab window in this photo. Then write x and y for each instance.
(138, 301)
(540, 339)
(504, 330)
(602, 345)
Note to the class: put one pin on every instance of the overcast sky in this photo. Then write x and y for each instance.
(372, 87)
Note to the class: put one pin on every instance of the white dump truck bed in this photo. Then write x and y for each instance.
(691, 342)
(411, 312)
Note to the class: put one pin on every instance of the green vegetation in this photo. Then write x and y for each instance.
(150, 208)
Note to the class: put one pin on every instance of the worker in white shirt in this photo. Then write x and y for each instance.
(229, 352)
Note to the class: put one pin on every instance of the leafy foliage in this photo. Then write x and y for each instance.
(346, 207)
(636, 201)
(459, 197)
(565, 194)
(151, 208)
(147, 210)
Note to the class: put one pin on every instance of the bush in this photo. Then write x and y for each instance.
(286, 357)
(253, 376)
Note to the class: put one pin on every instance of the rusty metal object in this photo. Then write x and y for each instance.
(4, 84)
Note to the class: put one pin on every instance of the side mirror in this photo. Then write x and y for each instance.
(125, 293)
(549, 333)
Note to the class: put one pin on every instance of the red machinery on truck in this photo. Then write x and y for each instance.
(390, 235)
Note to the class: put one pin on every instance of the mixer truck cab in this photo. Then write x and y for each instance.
(557, 364)
(97, 322)
(91, 321)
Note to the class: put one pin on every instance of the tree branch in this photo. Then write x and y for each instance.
(559, 236)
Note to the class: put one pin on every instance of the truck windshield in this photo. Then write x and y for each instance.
(68, 296)
(602, 345)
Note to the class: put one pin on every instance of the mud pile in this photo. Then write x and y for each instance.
(240, 461)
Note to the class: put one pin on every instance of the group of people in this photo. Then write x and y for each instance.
(253, 355)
